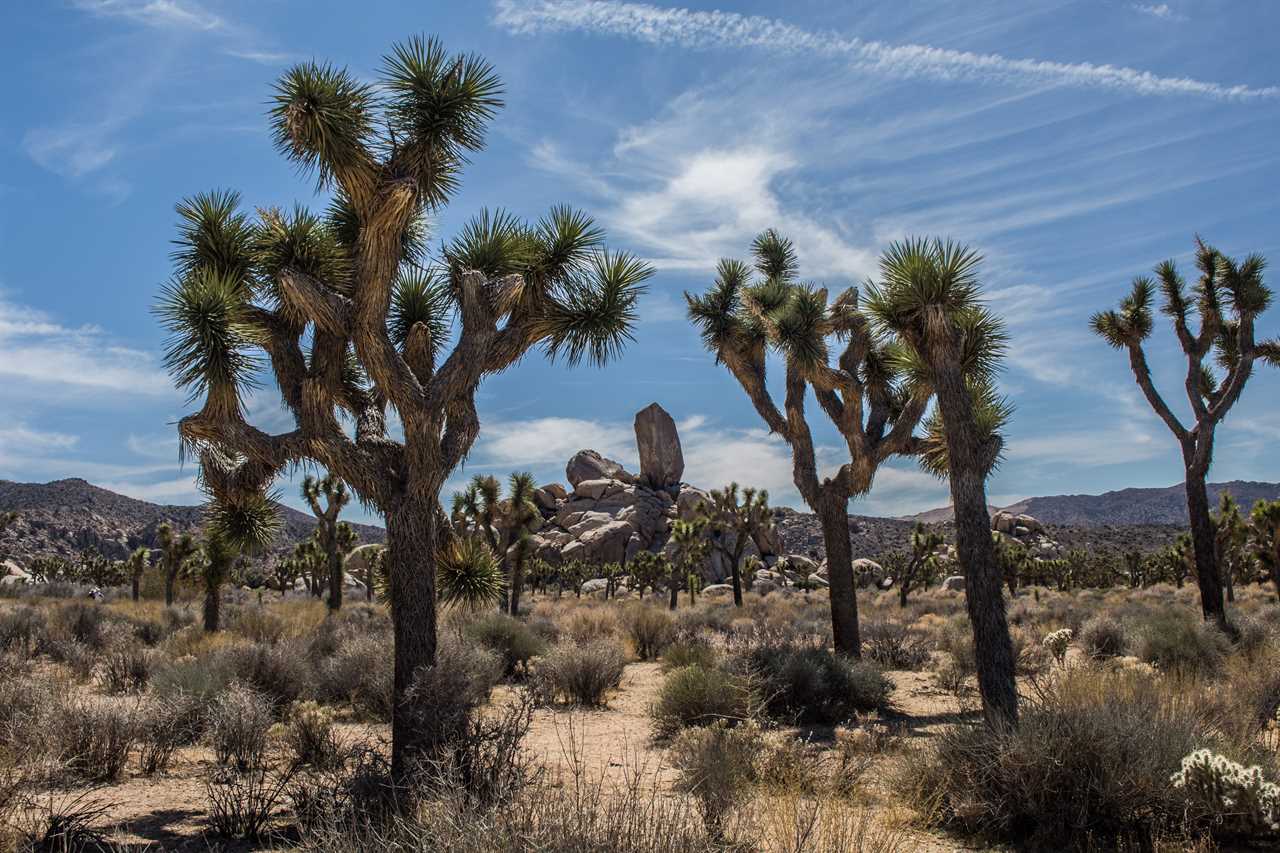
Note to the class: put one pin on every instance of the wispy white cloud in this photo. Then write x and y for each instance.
(162, 14)
(39, 355)
(73, 150)
(262, 57)
(694, 29)
(1159, 10)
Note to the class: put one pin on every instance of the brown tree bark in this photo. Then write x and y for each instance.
(984, 594)
(1204, 546)
(170, 579)
(833, 513)
(412, 536)
(212, 607)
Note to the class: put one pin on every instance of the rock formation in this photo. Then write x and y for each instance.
(661, 460)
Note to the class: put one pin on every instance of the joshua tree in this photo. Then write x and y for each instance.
(284, 574)
(1228, 298)
(335, 495)
(647, 570)
(348, 284)
(99, 571)
(1230, 533)
(741, 319)
(921, 567)
(175, 551)
(1012, 557)
(1264, 538)
(690, 550)
(138, 563)
(735, 525)
(928, 296)
(506, 524)
(231, 532)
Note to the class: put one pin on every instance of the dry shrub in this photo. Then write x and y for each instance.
(359, 672)
(66, 823)
(810, 684)
(242, 805)
(590, 623)
(510, 638)
(166, 723)
(1103, 637)
(1092, 756)
(718, 766)
(127, 668)
(893, 645)
(239, 720)
(649, 628)
(257, 623)
(22, 629)
(1175, 641)
(582, 674)
(279, 672)
(699, 696)
(309, 735)
(94, 738)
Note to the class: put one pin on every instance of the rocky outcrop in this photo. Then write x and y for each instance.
(661, 459)
(589, 465)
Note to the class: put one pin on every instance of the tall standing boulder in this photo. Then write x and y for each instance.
(661, 460)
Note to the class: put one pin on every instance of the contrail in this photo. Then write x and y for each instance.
(687, 28)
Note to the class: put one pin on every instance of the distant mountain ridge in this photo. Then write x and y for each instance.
(1123, 506)
(66, 516)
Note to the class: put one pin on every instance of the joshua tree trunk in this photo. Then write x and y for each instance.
(135, 587)
(412, 536)
(170, 579)
(735, 573)
(833, 513)
(984, 595)
(336, 577)
(1203, 543)
(517, 584)
(212, 607)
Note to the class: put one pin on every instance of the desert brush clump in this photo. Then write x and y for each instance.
(805, 683)
(583, 674)
(1236, 798)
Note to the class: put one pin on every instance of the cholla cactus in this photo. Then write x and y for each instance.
(1057, 643)
(1230, 792)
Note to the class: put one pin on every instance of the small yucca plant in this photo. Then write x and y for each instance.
(467, 573)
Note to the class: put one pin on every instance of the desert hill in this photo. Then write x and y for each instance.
(66, 516)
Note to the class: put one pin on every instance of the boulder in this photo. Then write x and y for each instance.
(955, 583)
(818, 580)
(595, 586)
(606, 543)
(591, 489)
(716, 590)
(1030, 522)
(802, 564)
(867, 572)
(357, 562)
(545, 499)
(661, 459)
(688, 501)
(762, 587)
(768, 576)
(589, 465)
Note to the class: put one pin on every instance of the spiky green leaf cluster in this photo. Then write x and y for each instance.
(467, 572)
(250, 523)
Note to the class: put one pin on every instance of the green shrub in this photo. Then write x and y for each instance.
(583, 674)
(199, 678)
(510, 638)
(810, 684)
(699, 696)
(309, 736)
(164, 724)
(1175, 641)
(718, 766)
(1103, 637)
(649, 628)
(127, 668)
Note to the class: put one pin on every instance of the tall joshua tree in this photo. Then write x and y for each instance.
(175, 550)
(351, 324)
(689, 550)
(921, 566)
(506, 525)
(738, 524)
(928, 296)
(748, 313)
(336, 496)
(136, 565)
(1228, 298)
(1264, 538)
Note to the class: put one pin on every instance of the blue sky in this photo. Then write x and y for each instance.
(1075, 143)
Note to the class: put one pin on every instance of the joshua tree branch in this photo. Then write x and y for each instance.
(1142, 373)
